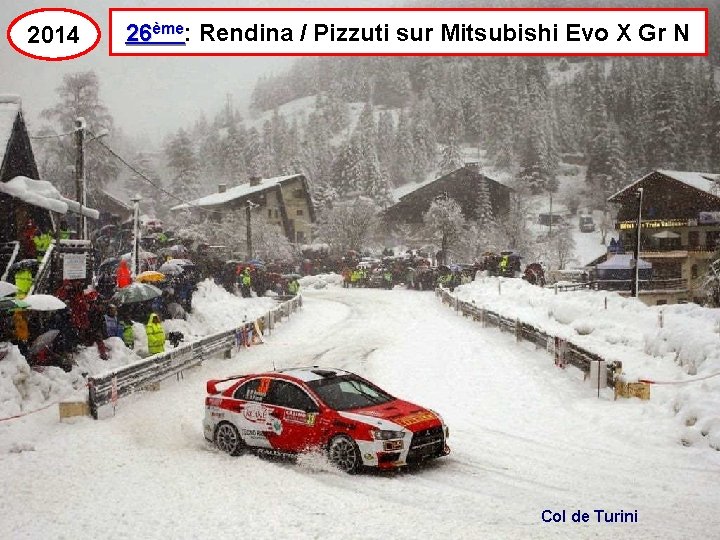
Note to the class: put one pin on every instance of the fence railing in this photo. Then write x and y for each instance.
(109, 387)
(571, 353)
(8, 254)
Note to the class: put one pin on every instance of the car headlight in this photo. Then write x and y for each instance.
(386, 434)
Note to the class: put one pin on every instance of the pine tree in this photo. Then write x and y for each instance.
(183, 165)
(451, 158)
(444, 222)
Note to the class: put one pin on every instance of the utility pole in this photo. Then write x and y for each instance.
(248, 228)
(135, 261)
(80, 191)
(635, 289)
(551, 218)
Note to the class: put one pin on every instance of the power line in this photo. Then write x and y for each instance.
(151, 182)
(53, 136)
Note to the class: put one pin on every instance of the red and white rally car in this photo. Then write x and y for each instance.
(295, 410)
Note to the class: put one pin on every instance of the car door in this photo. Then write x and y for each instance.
(297, 414)
(254, 418)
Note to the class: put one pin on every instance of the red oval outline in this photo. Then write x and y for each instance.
(61, 58)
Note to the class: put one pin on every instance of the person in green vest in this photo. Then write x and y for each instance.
(42, 243)
(23, 282)
(63, 230)
(155, 334)
(128, 333)
(245, 283)
(293, 286)
(388, 278)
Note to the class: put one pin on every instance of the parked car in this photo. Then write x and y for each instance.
(586, 224)
(291, 411)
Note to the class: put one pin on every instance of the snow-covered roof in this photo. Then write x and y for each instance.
(699, 180)
(622, 261)
(9, 109)
(309, 374)
(237, 192)
(43, 194)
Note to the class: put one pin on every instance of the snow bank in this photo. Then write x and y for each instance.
(321, 281)
(684, 352)
(24, 390)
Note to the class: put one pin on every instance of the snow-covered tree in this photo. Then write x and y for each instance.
(347, 226)
(451, 158)
(183, 165)
(444, 223)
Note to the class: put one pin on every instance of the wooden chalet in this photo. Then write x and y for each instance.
(16, 159)
(283, 200)
(680, 231)
(23, 198)
(461, 185)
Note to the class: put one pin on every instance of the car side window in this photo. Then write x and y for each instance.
(254, 390)
(285, 394)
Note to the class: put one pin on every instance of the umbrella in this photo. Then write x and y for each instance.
(25, 263)
(144, 255)
(171, 269)
(108, 265)
(256, 262)
(666, 234)
(43, 340)
(180, 262)
(7, 289)
(149, 276)
(44, 302)
(136, 292)
(177, 250)
(12, 303)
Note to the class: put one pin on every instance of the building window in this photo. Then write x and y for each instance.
(661, 302)
(694, 271)
(277, 214)
(269, 213)
(299, 213)
(300, 237)
(712, 239)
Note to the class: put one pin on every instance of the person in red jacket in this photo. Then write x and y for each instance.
(123, 275)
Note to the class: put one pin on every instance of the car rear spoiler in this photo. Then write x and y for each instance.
(211, 385)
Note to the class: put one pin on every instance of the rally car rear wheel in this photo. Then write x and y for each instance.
(344, 454)
(227, 439)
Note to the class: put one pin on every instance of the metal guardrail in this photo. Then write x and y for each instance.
(121, 382)
(12, 249)
(573, 354)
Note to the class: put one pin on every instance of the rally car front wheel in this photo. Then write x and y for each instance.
(344, 454)
(227, 438)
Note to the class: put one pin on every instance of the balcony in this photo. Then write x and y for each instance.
(646, 285)
(672, 250)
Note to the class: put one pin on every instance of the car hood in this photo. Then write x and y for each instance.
(396, 414)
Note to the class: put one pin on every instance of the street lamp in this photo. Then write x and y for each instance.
(135, 260)
(248, 227)
(636, 280)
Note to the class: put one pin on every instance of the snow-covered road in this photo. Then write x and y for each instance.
(525, 438)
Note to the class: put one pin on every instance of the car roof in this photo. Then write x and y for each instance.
(313, 373)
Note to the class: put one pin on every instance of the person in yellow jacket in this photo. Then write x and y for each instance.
(155, 334)
(42, 243)
(23, 282)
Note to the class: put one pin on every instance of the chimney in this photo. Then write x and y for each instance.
(222, 188)
(255, 180)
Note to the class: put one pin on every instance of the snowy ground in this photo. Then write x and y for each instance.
(525, 438)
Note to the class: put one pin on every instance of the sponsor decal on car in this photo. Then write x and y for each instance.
(258, 416)
(415, 418)
(254, 433)
(295, 417)
(310, 420)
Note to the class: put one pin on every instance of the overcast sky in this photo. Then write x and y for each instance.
(145, 95)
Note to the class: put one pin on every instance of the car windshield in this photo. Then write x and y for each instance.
(347, 392)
